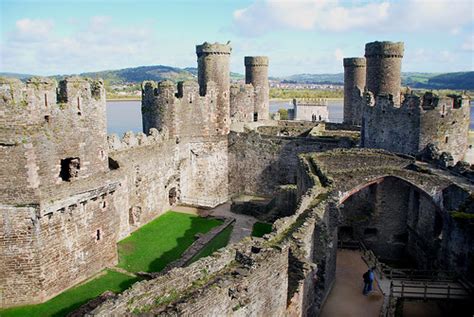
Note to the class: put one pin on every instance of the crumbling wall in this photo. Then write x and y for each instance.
(258, 164)
(242, 103)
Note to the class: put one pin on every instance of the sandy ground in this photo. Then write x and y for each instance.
(346, 297)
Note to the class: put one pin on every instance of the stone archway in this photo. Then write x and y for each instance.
(394, 218)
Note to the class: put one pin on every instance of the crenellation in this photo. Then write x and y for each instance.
(131, 140)
(69, 192)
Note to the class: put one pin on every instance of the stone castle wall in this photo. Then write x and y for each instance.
(418, 122)
(258, 163)
(310, 110)
(242, 103)
(43, 129)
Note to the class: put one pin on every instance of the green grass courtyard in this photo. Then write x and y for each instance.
(148, 249)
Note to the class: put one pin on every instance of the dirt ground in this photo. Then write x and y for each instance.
(346, 297)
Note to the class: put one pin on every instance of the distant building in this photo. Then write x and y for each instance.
(309, 110)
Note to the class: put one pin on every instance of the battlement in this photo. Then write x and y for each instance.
(354, 62)
(384, 49)
(213, 49)
(171, 90)
(41, 93)
(323, 102)
(256, 61)
(131, 140)
(418, 121)
(426, 102)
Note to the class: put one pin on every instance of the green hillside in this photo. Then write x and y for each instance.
(460, 80)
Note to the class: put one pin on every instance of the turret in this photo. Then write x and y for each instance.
(384, 60)
(213, 65)
(354, 84)
(256, 73)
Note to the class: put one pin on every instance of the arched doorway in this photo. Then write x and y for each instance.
(173, 196)
(396, 219)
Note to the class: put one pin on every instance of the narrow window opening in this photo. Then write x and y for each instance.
(69, 168)
(172, 196)
(47, 119)
(104, 204)
(46, 100)
(255, 116)
(446, 139)
(97, 235)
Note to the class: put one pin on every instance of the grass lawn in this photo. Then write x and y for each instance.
(219, 241)
(161, 241)
(260, 229)
(71, 299)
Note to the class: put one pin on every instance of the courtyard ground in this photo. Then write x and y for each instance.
(150, 248)
(345, 298)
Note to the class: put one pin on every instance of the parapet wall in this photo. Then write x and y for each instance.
(418, 122)
(180, 109)
(42, 125)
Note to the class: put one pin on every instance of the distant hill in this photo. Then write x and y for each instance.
(15, 75)
(233, 76)
(315, 78)
(460, 80)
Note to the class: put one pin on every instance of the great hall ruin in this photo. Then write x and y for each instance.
(391, 178)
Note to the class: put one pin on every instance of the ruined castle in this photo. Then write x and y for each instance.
(400, 123)
(69, 192)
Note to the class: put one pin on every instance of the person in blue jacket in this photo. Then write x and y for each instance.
(368, 281)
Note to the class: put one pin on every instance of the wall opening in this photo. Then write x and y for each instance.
(70, 168)
(255, 116)
(346, 233)
(97, 235)
(370, 232)
(172, 196)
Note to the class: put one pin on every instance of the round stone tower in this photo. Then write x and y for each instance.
(354, 83)
(256, 73)
(213, 65)
(384, 64)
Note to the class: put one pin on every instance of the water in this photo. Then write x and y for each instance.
(123, 116)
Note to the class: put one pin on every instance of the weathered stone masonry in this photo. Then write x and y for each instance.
(76, 192)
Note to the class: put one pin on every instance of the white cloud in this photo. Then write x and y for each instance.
(407, 15)
(35, 47)
(339, 54)
(468, 44)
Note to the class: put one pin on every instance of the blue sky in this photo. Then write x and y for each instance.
(299, 36)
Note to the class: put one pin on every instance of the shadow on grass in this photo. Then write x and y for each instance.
(197, 225)
(73, 298)
(162, 241)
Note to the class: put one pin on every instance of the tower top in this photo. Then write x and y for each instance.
(384, 49)
(256, 61)
(216, 48)
(354, 62)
